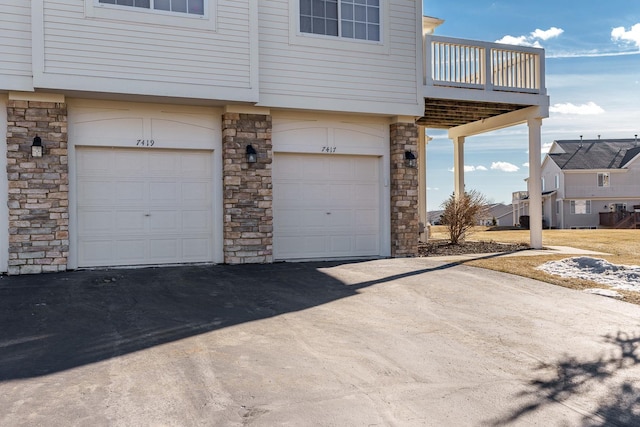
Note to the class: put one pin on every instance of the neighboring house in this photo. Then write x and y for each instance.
(588, 184)
(235, 131)
(498, 213)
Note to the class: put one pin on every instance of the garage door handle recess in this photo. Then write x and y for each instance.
(328, 213)
(147, 214)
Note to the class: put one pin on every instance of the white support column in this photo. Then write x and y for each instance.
(535, 183)
(458, 165)
(422, 181)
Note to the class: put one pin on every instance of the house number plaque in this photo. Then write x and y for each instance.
(327, 149)
(145, 143)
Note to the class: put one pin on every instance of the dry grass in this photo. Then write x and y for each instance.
(621, 247)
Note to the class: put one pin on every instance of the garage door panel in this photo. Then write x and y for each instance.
(366, 194)
(97, 192)
(289, 218)
(164, 165)
(341, 168)
(312, 218)
(196, 220)
(163, 250)
(130, 164)
(95, 251)
(128, 221)
(96, 221)
(196, 191)
(364, 242)
(163, 221)
(130, 192)
(153, 215)
(131, 250)
(341, 245)
(312, 170)
(195, 165)
(340, 195)
(94, 163)
(163, 193)
(340, 218)
(366, 218)
(365, 172)
(312, 195)
(196, 249)
(326, 206)
(313, 245)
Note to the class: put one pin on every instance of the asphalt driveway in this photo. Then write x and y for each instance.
(403, 342)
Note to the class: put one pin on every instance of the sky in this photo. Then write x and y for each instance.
(592, 51)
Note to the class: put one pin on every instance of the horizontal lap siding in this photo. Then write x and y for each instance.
(96, 47)
(354, 75)
(15, 38)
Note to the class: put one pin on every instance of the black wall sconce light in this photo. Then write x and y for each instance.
(410, 160)
(252, 155)
(36, 147)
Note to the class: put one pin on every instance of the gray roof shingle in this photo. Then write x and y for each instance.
(595, 153)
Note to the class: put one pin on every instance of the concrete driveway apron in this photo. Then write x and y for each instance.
(402, 342)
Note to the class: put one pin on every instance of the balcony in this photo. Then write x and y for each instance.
(622, 219)
(519, 195)
(467, 81)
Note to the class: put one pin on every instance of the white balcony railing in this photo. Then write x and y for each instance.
(519, 195)
(470, 64)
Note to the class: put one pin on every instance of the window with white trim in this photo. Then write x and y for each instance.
(191, 7)
(603, 179)
(557, 181)
(354, 19)
(580, 207)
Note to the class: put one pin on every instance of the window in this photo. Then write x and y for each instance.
(354, 19)
(580, 207)
(542, 183)
(558, 204)
(620, 207)
(603, 179)
(557, 181)
(193, 7)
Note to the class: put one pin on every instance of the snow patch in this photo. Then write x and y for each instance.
(626, 277)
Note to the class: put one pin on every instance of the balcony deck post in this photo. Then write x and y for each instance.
(535, 183)
(458, 166)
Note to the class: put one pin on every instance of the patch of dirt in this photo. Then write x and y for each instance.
(444, 247)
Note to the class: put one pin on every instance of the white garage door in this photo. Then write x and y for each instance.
(143, 206)
(326, 206)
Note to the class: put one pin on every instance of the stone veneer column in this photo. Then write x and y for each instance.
(404, 191)
(38, 186)
(248, 200)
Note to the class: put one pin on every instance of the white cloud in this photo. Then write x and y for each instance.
(590, 54)
(504, 167)
(545, 148)
(525, 165)
(590, 108)
(433, 189)
(533, 39)
(632, 36)
(471, 168)
(547, 34)
(519, 41)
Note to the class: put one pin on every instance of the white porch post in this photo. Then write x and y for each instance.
(535, 183)
(458, 165)
(422, 181)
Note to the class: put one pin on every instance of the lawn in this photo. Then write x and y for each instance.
(621, 247)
